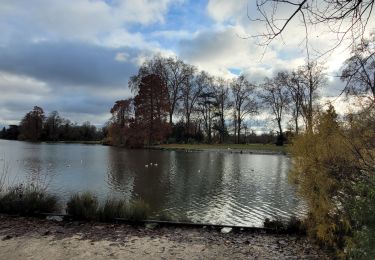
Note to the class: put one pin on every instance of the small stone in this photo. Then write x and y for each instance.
(55, 218)
(48, 232)
(226, 230)
(99, 227)
(151, 225)
(7, 237)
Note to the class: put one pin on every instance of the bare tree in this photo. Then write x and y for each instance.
(292, 82)
(206, 103)
(221, 93)
(275, 96)
(346, 19)
(310, 77)
(191, 91)
(244, 102)
(359, 70)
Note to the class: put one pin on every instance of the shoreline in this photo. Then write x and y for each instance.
(219, 150)
(263, 149)
(34, 238)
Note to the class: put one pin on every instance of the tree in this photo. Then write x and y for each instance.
(347, 20)
(295, 88)
(359, 70)
(207, 103)
(174, 72)
(222, 98)
(191, 92)
(310, 78)
(31, 126)
(275, 97)
(52, 126)
(244, 102)
(119, 124)
(151, 111)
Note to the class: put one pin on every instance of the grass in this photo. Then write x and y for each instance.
(76, 142)
(247, 147)
(113, 208)
(27, 200)
(85, 206)
(3, 177)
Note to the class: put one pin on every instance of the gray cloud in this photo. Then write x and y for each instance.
(68, 63)
(77, 79)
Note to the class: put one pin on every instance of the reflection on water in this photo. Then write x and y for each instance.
(238, 189)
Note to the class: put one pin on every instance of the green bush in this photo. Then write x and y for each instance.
(27, 200)
(83, 206)
(362, 210)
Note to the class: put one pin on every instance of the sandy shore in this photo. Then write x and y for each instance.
(31, 238)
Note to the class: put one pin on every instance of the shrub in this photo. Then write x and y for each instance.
(113, 208)
(276, 224)
(329, 163)
(138, 210)
(27, 200)
(362, 209)
(293, 225)
(83, 206)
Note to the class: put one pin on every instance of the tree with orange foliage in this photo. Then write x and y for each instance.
(151, 111)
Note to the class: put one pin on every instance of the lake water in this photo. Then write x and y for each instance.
(205, 187)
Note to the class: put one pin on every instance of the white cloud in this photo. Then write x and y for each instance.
(121, 56)
(217, 51)
(77, 19)
(222, 10)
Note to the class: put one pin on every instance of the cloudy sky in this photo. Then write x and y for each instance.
(76, 56)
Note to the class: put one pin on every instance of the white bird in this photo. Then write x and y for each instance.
(156, 164)
(146, 165)
(150, 164)
(199, 170)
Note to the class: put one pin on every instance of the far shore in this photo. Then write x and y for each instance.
(227, 148)
(223, 148)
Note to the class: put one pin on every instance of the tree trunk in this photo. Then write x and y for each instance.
(280, 137)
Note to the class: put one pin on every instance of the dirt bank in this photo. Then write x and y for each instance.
(30, 238)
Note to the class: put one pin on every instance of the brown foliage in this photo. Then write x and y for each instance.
(151, 111)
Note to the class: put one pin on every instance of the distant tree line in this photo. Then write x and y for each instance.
(176, 102)
(35, 126)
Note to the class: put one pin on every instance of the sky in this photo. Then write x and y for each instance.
(76, 56)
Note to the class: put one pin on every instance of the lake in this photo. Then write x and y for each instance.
(204, 187)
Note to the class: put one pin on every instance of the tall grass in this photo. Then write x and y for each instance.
(111, 209)
(27, 200)
(3, 176)
(138, 210)
(85, 206)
